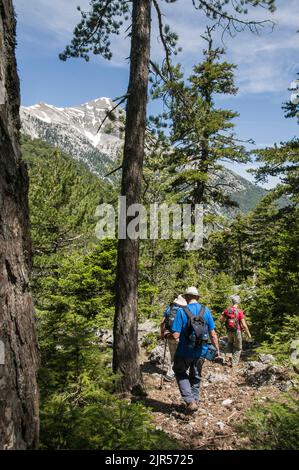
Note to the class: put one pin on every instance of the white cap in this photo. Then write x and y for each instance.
(192, 291)
(235, 299)
(180, 301)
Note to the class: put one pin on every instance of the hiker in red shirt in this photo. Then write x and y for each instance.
(234, 319)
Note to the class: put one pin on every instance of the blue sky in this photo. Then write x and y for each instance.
(267, 63)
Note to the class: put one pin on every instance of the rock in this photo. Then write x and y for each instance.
(227, 402)
(214, 377)
(157, 354)
(255, 366)
(285, 386)
(147, 327)
(201, 410)
(260, 374)
(221, 425)
(266, 358)
(105, 337)
(175, 435)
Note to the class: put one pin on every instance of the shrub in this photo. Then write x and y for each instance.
(89, 417)
(274, 426)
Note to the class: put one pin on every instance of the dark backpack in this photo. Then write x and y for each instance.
(170, 316)
(232, 319)
(197, 330)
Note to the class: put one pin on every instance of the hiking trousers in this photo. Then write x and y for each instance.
(172, 345)
(189, 384)
(234, 346)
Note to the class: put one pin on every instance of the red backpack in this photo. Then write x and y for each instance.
(232, 321)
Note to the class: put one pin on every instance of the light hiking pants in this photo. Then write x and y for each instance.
(234, 346)
(172, 345)
(189, 384)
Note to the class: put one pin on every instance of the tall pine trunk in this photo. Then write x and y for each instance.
(125, 352)
(18, 356)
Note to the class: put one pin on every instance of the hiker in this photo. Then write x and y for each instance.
(166, 331)
(191, 351)
(234, 320)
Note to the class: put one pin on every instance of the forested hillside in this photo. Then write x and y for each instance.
(73, 286)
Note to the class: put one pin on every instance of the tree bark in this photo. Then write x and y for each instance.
(125, 351)
(18, 345)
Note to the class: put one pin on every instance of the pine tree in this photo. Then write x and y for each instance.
(201, 134)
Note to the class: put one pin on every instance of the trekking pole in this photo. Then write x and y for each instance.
(221, 335)
(163, 364)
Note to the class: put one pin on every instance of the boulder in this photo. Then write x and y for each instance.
(105, 336)
(157, 354)
(267, 358)
(147, 327)
(215, 377)
(259, 374)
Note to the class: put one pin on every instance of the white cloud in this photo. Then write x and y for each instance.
(266, 63)
(56, 17)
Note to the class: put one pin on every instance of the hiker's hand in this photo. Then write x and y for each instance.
(166, 334)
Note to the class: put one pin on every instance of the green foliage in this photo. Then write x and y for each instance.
(279, 342)
(87, 416)
(280, 161)
(150, 341)
(274, 426)
(92, 34)
(200, 134)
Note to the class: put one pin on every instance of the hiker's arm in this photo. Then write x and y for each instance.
(245, 327)
(214, 340)
(223, 316)
(176, 336)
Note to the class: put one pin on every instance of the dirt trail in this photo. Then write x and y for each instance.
(212, 426)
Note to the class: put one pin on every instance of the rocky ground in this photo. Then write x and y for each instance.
(226, 394)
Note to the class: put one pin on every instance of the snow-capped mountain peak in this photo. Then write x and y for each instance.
(84, 119)
(75, 130)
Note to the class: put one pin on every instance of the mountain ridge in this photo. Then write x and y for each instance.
(77, 131)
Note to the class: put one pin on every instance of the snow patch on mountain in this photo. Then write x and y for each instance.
(86, 134)
(84, 120)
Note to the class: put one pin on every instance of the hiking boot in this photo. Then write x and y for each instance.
(191, 407)
(169, 378)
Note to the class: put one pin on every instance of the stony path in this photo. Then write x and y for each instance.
(225, 396)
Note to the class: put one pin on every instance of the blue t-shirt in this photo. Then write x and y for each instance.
(180, 325)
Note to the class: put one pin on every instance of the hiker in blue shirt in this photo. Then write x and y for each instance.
(187, 357)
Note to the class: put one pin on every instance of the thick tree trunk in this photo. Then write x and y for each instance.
(125, 352)
(18, 357)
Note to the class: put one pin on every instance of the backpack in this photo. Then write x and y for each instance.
(232, 322)
(170, 316)
(197, 330)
